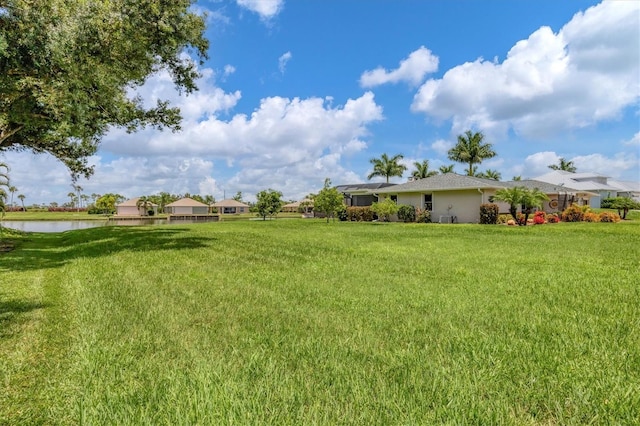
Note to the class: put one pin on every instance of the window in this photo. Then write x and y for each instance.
(428, 202)
(394, 198)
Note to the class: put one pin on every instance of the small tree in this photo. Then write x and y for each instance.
(328, 200)
(269, 203)
(384, 209)
(623, 205)
(512, 196)
(532, 199)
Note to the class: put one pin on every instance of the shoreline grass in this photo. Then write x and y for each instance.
(300, 322)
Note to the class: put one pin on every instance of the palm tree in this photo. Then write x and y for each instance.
(422, 170)
(517, 178)
(567, 166)
(12, 190)
(22, 197)
(72, 197)
(470, 150)
(387, 167)
(144, 203)
(490, 174)
(447, 169)
(512, 196)
(78, 189)
(531, 199)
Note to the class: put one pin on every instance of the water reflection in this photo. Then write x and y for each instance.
(71, 225)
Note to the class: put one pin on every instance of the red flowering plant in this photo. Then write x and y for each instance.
(539, 217)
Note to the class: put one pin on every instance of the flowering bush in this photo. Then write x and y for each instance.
(591, 217)
(539, 218)
(357, 214)
(423, 215)
(609, 217)
(573, 213)
(552, 218)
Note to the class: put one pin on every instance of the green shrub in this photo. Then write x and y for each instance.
(385, 209)
(489, 214)
(606, 203)
(573, 213)
(423, 215)
(407, 213)
(360, 214)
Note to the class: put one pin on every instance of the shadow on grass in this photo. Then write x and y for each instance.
(12, 310)
(54, 250)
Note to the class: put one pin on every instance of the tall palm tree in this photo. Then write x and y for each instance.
(78, 190)
(471, 150)
(72, 197)
(567, 166)
(387, 167)
(422, 170)
(447, 169)
(12, 190)
(22, 197)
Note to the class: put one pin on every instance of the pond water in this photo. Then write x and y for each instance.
(70, 225)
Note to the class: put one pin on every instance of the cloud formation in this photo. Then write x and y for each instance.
(267, 9)
(282, 61)
(411, 70)
(586, 73)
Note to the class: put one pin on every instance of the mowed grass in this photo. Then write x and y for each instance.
(300, 322)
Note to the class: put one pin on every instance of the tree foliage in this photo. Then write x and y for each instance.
(471, 150)
(107, 203)
(269, 203)
(623, 205)
(385, 208)
(328, 201)
(387, 167)
(422, 170)
(521, 196)
(67, 68)
(563, 164)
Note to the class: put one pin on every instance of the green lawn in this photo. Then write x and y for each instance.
(300, 322)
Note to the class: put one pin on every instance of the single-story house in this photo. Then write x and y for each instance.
(361, 194)
(133, 208)
(595, 183)
(231, 206)
(451, 197)
(306, 204)
(186, 206)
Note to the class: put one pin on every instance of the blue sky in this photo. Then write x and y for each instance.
(298, 91)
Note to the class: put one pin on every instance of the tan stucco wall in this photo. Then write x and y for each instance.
(414, 200)
(127, 211)
(189, 210)
(465, 205)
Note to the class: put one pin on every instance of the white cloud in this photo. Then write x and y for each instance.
(586, 73)
(619, 165)
(228, 70)
(634, 141)
(442, 146)
(282, 62)
(267, 9)
(411, 70)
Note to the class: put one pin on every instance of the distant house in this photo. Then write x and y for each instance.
(186, 206)
(361, 194)
(306, 205)
(231, 206)
(602, 186)
(451, 197)
(131, 208)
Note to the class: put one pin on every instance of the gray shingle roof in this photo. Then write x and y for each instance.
(363, 187)
(443, 182)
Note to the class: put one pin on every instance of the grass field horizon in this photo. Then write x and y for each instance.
(303, 322)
